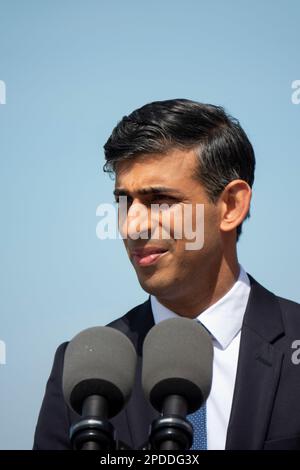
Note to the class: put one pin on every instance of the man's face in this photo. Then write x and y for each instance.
(164, 265)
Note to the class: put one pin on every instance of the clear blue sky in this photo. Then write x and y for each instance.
(72, 69)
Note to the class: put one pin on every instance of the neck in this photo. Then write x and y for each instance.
(203, 295)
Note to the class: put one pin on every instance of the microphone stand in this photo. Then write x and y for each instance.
(94, 431)
(172, 431)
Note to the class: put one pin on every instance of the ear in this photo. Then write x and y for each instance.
(234, 204)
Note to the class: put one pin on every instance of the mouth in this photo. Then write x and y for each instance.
(147, 257)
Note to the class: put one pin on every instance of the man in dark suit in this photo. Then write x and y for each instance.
(185, 154)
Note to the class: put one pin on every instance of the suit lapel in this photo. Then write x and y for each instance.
(258, 371)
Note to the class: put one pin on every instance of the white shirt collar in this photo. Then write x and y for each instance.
(224, 318)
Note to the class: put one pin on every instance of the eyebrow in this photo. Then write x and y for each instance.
(148, 190)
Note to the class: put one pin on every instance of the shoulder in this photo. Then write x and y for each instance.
(59, 357)
(136, 319)
(291, 314)
(289, 305)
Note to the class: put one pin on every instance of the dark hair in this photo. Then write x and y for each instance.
(223, 148)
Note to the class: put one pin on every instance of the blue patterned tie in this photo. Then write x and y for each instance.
(198, 420)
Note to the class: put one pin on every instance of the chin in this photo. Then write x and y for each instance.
(157, 287)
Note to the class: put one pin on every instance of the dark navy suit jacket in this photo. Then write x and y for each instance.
(265, 411)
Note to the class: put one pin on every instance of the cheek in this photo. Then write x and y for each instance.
(181, 257)
(211, 223)
(172, 222)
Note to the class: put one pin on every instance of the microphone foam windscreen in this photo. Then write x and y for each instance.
(99, 361)
(177, 359)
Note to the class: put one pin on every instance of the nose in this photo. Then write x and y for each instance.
(135, 222)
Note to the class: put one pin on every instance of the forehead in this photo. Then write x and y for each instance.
(175, 168)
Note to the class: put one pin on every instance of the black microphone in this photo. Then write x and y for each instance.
(98, 376)
(176, 378)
